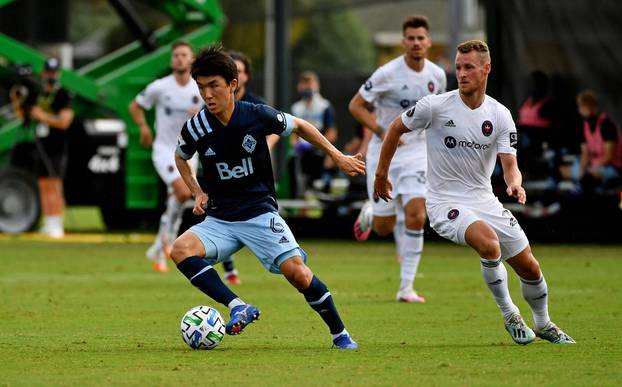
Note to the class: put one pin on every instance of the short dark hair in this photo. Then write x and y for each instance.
(213, 60)
(416, 21)
(239, 56)
(180, 43)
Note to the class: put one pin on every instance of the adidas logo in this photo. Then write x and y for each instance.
(210, 152)
(450, 124)
(284, 240)
(405, 87)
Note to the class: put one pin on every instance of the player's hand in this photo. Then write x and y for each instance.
(382, 188)
(518, 192)
(146, 137)
(37, 113)
(351, 165)
(200, 204)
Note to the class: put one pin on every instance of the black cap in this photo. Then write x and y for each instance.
(51, 64)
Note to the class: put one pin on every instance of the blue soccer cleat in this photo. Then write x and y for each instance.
(344, 342)
(241, 316)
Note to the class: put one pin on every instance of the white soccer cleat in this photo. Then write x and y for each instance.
(409, 295)
(363, 223)
(520, 332)
(552, 333)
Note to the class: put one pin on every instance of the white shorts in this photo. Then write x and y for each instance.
(451, 220)
(164, 163)
(408, 184)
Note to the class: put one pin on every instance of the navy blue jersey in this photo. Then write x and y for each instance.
(237, 169)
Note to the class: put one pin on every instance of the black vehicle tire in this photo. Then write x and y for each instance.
(19, 201)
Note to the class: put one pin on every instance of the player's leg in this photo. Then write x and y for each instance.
(535, 291)
(318, 297)
(195, 252)
(481, 237)
(375, 215)
(411, 248)
(52, 205)
(269, 237)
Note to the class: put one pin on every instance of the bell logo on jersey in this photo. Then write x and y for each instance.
(237, 172)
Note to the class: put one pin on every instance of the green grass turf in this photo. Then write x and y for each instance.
(95, 314)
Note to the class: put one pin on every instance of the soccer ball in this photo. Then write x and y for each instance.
(202, 327)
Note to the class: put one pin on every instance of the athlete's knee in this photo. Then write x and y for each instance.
(415, 220)
(185, 247)
(297, 273)
(383, 227)
(489, 248)
(530, 270)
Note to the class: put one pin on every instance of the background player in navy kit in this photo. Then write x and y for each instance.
(230, 137)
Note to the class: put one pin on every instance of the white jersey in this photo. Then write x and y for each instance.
(174, 104)
(462, 144)
(394, 87)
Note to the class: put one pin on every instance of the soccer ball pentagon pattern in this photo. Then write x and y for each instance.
(202, 327)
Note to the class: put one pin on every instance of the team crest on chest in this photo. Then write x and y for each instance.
(487, 128)
(431, 87)
(249, 143)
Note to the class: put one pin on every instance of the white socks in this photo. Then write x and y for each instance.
(496, 277)
(53, 226)
(411, 248)
(535, 293)
(235, 302)
(174, 209)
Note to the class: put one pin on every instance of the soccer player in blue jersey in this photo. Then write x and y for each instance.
(230, 138)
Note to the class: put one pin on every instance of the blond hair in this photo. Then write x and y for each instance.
(478, 46)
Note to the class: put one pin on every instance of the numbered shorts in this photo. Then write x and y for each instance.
(267, 236)
(164, 162)
(408, 183)
(451, 220)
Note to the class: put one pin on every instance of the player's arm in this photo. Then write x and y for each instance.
(359, 108)
(382, 185)
(62, 120)
(138, 116)
(351, 165)
(513, 177)
(185, 170)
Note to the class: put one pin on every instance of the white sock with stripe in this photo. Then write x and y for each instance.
(496, 277)
(536, 295)
(412, 247)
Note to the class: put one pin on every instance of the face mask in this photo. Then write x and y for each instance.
(51, 81)
(306, 93)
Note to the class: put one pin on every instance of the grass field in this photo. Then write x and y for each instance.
(95, 314)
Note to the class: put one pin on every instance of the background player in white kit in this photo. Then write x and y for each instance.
(176, 98)
(392, 88)
(465, 131)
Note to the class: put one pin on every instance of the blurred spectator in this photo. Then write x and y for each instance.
(242, 93)
(600, 165)
(308, 162)
(536, 124)
(52, 113)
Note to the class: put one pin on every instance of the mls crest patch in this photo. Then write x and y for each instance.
(249, 143)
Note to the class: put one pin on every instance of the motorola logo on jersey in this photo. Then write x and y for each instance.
(237, 172)
(404, 103)
(487, 128)
(431, 87)
(168, 111)
(195, 99)
(451, 142)
(453, 214)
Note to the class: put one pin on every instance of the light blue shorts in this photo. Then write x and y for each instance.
(267, 236)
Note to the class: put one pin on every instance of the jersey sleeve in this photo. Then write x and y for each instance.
(275, 121)
(418, 117)
(187, 143)
(507, 140)
(147, 98)
(442, 80)
(375, 86)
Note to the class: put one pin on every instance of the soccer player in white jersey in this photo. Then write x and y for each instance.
(465, 132)
(393, 88)
(176, 98)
